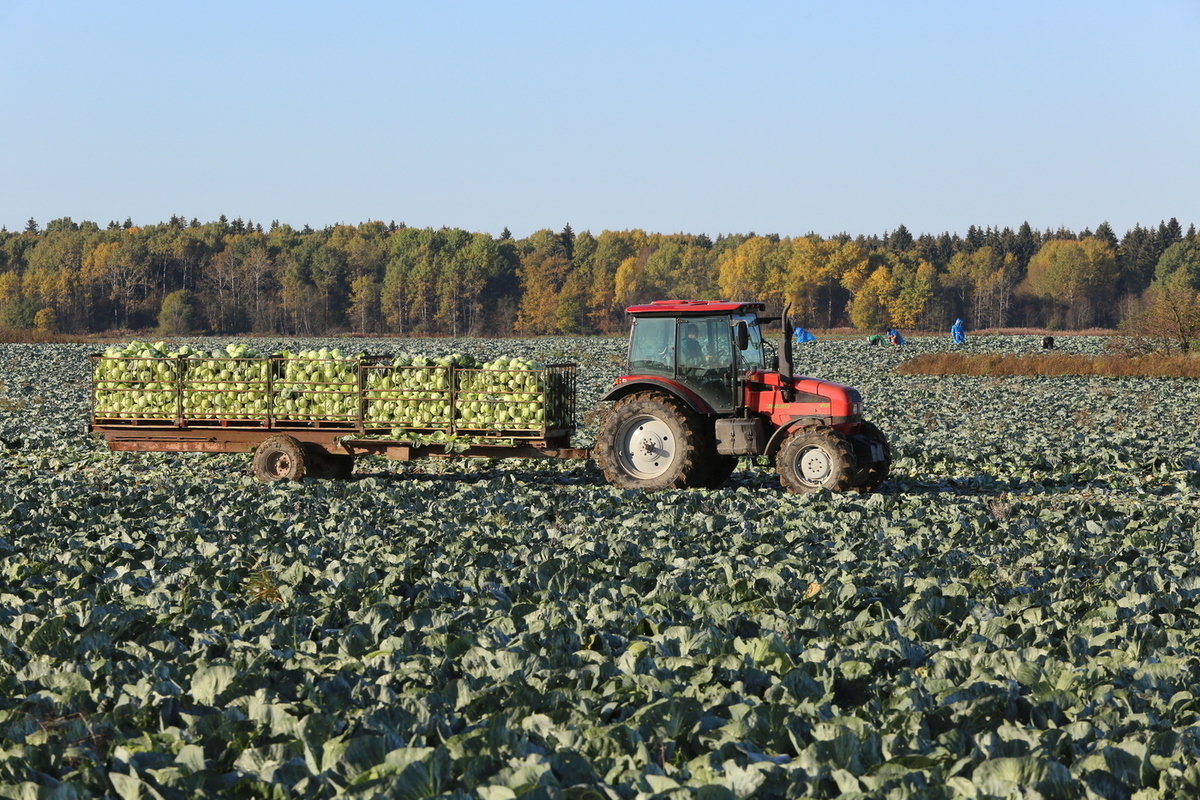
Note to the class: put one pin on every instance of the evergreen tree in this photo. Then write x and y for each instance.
(899, 240)
(1025, 246)
(1136, 259)
(1104, 231)
(567, 236)
(31, 226)
(975, 240)
(1168, 234)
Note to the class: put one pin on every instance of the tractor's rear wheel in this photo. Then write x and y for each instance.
(650, 442)
(280, 458)
(816, 458)
(874, 473)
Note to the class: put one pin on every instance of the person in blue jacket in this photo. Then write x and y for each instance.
(894, 336)
(800, 336)
(958, 332)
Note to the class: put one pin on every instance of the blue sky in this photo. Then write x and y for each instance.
(700, 117)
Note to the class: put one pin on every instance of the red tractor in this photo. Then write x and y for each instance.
(700, 391)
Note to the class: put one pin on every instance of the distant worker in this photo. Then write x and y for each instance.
(875, 338)
(801, 336)
(1047, 342)
(958, 332)
(894, 336)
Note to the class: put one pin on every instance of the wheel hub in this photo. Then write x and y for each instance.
(647, 447)
(815, 465)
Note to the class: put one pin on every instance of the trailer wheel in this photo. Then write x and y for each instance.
(280, 458)
(650, 442)
(816, 458)
(876, 472)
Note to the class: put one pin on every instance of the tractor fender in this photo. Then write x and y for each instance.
(643, 383)
(783, 431)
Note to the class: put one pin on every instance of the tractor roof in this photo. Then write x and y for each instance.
(698, 308)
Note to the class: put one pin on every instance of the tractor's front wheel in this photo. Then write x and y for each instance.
(650, 442)
(816, 458)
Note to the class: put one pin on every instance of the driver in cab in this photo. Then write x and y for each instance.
(690, 352)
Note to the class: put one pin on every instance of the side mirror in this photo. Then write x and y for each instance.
(741, 335)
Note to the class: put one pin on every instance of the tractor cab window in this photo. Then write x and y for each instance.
(705, 347)
(652, 346)
(754, 356)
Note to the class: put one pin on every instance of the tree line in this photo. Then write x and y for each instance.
(235, 277)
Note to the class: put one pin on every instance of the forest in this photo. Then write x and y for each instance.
(237, 277)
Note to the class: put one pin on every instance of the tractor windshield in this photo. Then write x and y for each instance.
(754, 356)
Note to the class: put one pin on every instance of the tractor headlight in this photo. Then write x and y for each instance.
(856, 409)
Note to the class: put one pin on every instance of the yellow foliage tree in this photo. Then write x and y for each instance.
(1074, 274)
(745, 272)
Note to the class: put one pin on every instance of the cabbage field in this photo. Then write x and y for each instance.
(1015, 614)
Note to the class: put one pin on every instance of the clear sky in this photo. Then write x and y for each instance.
(699, 117)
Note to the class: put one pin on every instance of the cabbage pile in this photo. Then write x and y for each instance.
(449, 393)
(317, 385)
(505, 394)
(136, 382)
(412, 391)
(224, 384)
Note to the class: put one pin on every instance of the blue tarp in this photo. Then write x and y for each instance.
(800, 336)
(958, 332)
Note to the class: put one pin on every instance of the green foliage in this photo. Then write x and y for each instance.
(1179, 257)
(179, 315)
(1012, 614)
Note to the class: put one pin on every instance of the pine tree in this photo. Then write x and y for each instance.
(1104, 231)
(975, 240)
(899, 240)
(567, 237)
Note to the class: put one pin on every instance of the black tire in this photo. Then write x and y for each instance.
(874, 473)
(280, 458)
(816, 458)
(650, 442)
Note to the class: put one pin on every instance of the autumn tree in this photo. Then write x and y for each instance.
(868, 309)
(1076, 275)
(1172, 317)
(543, 273)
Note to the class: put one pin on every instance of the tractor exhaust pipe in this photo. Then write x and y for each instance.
(786, 370)
(785, 347)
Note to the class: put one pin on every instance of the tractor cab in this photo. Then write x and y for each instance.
(703, 347)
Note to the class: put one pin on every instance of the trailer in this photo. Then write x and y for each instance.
(313, 417)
